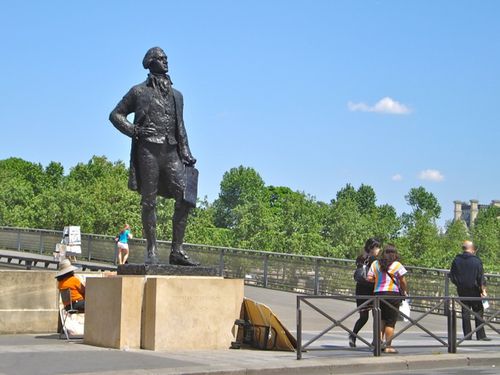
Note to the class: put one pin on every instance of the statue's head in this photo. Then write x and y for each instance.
(156, 61)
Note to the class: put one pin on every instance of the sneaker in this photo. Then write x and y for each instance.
(352, 341)
(484, 339)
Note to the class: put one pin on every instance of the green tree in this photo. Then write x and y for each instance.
(451, 242)
(385, 223)
(240, 186)
(297, 221)
(20, 182)
(420, 244)
(366, 199)
(486, 236)
(201, 227)
(346, 228)
(424, 202)
(354, 216)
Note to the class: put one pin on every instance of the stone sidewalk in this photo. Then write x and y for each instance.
(47, 354)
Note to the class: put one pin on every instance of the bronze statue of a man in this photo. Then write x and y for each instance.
(160, 152)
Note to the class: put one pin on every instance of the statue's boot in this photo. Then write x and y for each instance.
(178, 256)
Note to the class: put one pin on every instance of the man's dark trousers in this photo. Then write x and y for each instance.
(477, 307)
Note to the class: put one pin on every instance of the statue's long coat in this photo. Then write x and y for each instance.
(141, 100)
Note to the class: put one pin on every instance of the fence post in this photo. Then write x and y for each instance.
(446, 292)
(89, 248)
(266, 259)
(18, 240)
(221, 262)
(41, 242)
(115, 259)
(299, 329)
(376, 327)
(316, 277)
(452, 327)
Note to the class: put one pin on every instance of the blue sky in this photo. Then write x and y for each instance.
(312, 94)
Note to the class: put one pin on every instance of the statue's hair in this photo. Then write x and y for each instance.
(150, 55)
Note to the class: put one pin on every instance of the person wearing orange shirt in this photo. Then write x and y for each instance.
(66, 279)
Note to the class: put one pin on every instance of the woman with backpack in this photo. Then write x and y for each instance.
(363, 286)
(388, 274)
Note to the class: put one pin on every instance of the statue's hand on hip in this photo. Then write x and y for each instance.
(142, 132)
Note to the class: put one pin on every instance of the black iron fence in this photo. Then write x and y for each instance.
(288, 272)
(452, 305)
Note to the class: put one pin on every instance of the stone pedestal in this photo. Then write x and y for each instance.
(182, 313)
(113, 311)
(165, 269)
(162, 312)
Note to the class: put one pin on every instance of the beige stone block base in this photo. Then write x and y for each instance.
(113, 311)
(190, 312)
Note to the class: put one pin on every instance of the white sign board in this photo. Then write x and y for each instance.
(71, 236)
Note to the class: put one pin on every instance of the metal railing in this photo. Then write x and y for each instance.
(288, 272)
(376, 301)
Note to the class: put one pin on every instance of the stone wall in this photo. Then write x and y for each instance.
(28, 302)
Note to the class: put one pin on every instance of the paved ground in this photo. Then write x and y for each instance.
(47, 354)
(479, 370)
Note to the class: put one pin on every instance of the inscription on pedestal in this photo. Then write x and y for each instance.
(166, 269)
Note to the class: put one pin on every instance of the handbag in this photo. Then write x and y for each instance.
(404, 306)
(361, 273)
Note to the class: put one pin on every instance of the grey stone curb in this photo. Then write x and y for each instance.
(335, 366)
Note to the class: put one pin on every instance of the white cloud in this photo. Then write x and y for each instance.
(385, 105)
(431, 175)
(397, 177)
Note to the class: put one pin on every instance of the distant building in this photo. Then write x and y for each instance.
(468, 212)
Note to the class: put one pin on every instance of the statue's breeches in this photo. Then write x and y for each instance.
(161, 171)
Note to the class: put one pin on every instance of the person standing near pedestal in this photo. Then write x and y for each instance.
(467, 274)
(122, 244)
(160, 155)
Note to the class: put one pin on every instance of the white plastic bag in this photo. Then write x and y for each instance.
(405, 309)
(75, 324)
(486, 304)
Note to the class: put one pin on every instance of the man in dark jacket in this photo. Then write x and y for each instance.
(468, 275)
(160, 151)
